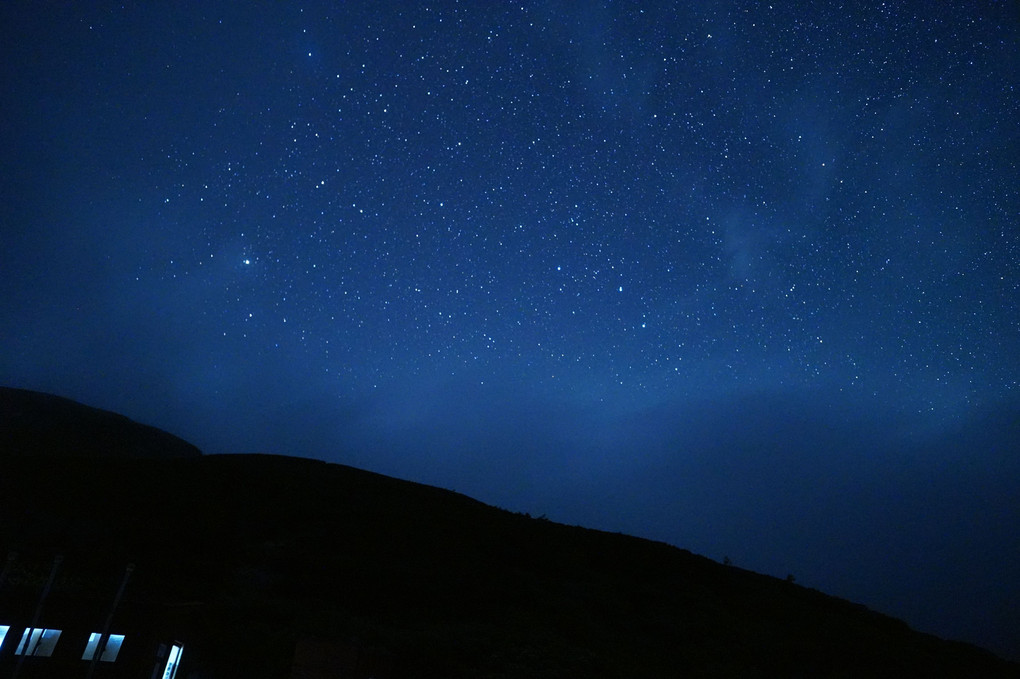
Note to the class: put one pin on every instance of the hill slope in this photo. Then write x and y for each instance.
(32, 423)
(275, 566)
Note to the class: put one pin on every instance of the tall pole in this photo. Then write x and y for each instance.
(38, 612)
(105, 636)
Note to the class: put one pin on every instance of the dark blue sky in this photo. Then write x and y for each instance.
(739, 277)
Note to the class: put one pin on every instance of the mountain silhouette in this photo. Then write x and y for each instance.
(274, 566)
(33, 423)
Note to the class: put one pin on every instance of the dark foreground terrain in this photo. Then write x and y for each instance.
(269, 566)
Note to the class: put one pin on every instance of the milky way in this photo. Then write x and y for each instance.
(735, 276)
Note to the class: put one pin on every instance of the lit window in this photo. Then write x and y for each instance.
(173, 661)
(38, 642)
(3, 633)
(113, 643)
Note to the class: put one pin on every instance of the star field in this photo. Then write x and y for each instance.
(619, 196)
(533, 251)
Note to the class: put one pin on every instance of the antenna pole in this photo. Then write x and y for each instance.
(105, 636)
(28, 649)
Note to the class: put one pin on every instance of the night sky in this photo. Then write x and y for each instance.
(738, 277)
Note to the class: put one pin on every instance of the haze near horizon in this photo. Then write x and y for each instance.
(738, 277)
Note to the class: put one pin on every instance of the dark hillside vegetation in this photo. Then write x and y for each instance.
(271, 566)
